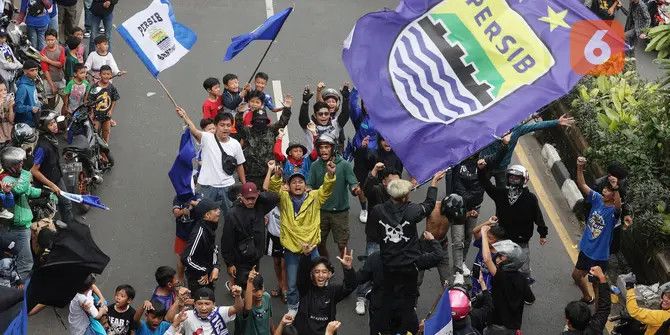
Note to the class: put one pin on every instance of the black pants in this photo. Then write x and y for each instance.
(243, 273)
(193, 285)
(397, 316)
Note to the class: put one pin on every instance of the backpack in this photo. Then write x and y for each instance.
(36, 8)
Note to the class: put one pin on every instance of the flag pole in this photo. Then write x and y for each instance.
(167, 92)
(262, 58)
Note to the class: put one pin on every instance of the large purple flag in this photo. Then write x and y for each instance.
(441, 79)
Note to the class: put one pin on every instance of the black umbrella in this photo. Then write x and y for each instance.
(73, 256)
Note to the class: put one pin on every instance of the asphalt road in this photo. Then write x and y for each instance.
(139, 230)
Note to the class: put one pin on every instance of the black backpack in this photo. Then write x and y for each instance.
(36, 7)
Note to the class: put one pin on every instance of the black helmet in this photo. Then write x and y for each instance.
(46, 118)
(453, 207)
(10, 157)
(24, 136)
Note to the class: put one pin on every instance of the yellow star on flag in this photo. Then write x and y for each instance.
(555, 19)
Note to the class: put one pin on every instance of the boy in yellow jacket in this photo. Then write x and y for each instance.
(652, 318)
(300, 215)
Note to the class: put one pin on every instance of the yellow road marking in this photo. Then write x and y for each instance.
(551, 211)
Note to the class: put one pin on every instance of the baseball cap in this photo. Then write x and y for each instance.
(204, 205)
(204, 293)
(296, 174)
(249, 190)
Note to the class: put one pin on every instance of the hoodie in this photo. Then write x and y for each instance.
(397, 232)
(26, 99)
(339, 200)
(376, 194)
(200, 257)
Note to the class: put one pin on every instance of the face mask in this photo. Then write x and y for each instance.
(513, 194)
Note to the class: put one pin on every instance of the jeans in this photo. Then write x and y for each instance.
(64, 205)
(107, 23)
(87, 14)
(36, 36)
(525, 268)
(219, 194)
(443, 269)
(24, 255)
(53, 23)
(292, 261)
(461, 238)
(363, 289)
(67, 17)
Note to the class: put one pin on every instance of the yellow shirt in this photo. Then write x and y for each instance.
(653, 318)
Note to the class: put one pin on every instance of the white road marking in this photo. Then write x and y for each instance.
(269, 9)
(279, 97)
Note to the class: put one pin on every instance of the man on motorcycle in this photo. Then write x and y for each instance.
(46, 163)
(12, 160)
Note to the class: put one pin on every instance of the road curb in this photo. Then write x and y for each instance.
(562, 177)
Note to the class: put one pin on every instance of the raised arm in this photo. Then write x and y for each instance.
(191, 126)
(581, 183)
(343, 118)
(355, 109)
(486, 251)
(286, 115)
(303, 119)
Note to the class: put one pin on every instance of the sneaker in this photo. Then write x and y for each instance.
(5, 214)
(87, 34)
(101, 30)
(529, 302)
(531, 281)
(466, 270)
(459, 279)
(360, 306)
(363, 217)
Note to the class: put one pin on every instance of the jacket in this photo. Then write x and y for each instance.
(9, 64)
(200, 257)
(519, 218)
(638, 19)
(258, 144)
(397, 232)
(652, 318)
(23, 216)
(599, 318)
(290, 165)
(305, 226)
(334, 128)
(242, 223)
(50, 166)
(26, 99)
(318, 304)
(376, 194)
(362, 124)
(482, 309)
(372, 157)
(99, 10)
(346, 180)
(41, 20)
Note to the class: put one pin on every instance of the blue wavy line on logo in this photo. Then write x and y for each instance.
(410, 97)
(442, 72)
(429, 79)
(420, 90)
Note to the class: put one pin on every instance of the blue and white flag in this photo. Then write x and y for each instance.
(85, 199)
(156, 37)
(440, 322)
(181, 172)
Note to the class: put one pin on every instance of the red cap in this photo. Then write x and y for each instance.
(249, 190)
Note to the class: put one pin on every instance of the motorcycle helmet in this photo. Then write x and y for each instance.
(460, 303)
(517, 170)
(512, 252)
(330, 93)
(326, 139)
(453, 207)
(46, 118)
(24, 137)
(10, 157)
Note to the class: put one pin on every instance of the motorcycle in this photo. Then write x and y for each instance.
(626, 325)
(659, 10)
(86, 157)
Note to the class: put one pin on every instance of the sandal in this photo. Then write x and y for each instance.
(275, 293)
(284, 294)
(112, 123)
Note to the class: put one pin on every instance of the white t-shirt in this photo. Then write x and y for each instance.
(273, 221)
(95, 61)
(211, 172)
(195, 325)
(78, 318)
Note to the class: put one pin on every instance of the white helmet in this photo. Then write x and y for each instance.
(518, 170)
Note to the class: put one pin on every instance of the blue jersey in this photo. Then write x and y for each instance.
(479, 261)
(597, 237)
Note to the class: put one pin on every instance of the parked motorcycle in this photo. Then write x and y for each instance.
(87, 156)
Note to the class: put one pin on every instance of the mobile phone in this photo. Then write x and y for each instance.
(592, 278)
(476, 270)
(9, 96)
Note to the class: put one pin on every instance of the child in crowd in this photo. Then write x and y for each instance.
(206, 318)
(71, 56)
(232, 97)
(108, 96)
(166, 278)
(214, 102)
(181, 209)
(53, 61)
(255, 319)
(100, 57)
(78, 32)
(297, 159)
(495, 234)
(9, 277)
(260, 82)
(120, 315)
(76, 91)
(82, 306)
(9, 64)
(154, 316)
(274, 247)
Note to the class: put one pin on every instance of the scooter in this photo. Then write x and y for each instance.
(86, 157)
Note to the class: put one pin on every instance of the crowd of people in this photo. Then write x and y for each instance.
(283, 200)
